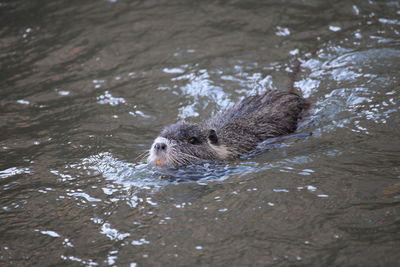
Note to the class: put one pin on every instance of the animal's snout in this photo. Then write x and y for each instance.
(160, 146)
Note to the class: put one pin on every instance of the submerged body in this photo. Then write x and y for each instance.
(231, 133)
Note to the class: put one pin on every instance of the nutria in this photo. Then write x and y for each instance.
(231, 133)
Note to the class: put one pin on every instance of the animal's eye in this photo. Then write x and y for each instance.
(194, 141)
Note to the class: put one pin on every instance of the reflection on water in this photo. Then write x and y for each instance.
(85, 88)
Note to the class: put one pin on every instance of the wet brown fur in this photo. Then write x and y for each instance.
(256, 119)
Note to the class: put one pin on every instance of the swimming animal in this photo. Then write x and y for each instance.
(230, 133)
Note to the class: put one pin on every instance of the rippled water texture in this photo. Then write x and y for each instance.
(85, 86)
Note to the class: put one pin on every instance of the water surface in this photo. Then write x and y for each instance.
(85, 87)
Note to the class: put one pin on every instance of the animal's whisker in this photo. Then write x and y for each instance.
(143, 155)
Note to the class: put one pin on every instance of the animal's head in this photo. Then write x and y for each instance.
(185, 143)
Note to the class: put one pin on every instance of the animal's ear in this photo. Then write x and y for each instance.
(212, 136)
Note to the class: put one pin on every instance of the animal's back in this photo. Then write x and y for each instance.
(255, 119)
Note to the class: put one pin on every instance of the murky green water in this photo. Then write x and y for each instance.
(85, 86)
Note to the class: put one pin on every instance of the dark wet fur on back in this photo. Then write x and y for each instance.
(256, 119)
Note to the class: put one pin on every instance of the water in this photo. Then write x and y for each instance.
(86, 86)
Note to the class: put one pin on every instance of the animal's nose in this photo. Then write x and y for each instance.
(160, 146)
